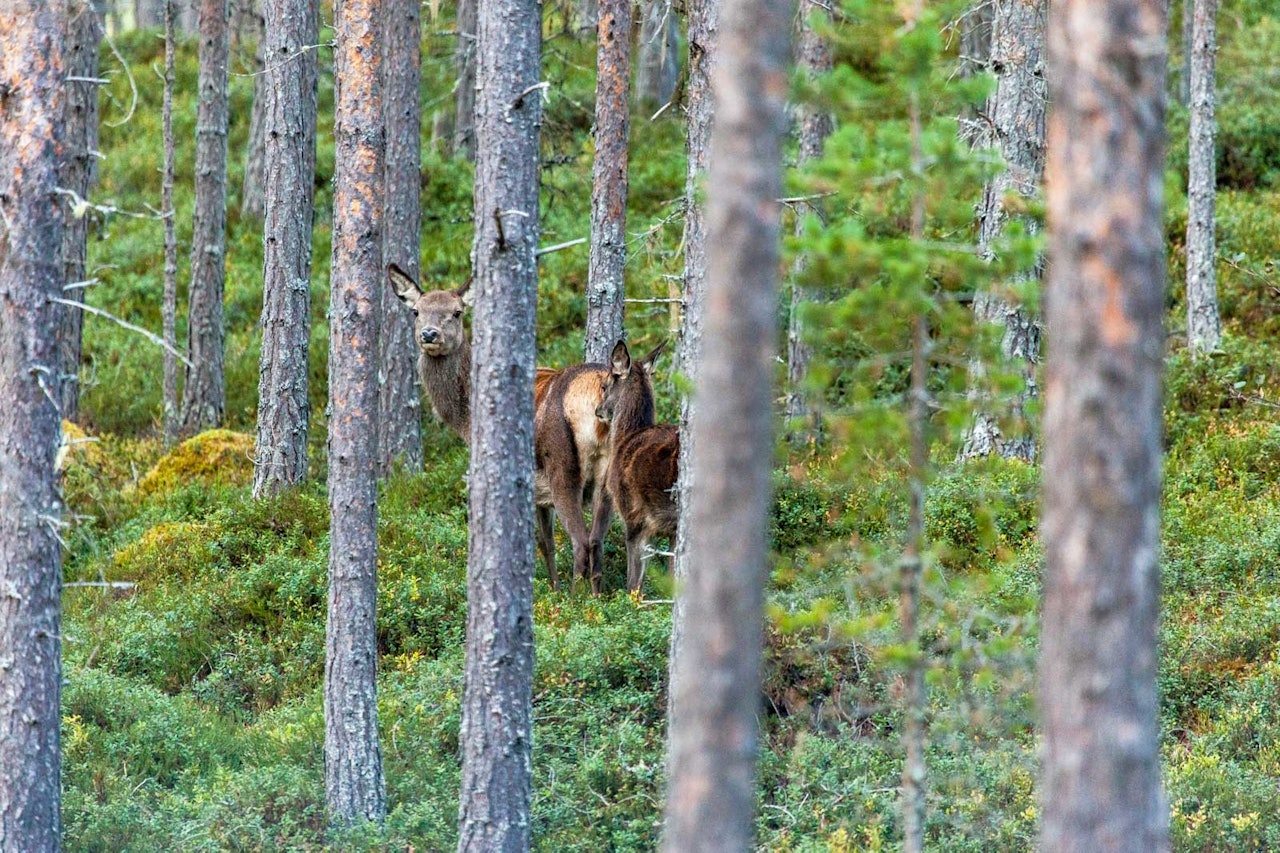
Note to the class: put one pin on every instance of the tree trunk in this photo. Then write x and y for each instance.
(400, 413)
(252, 190)
(354, 786)
(464, 59)
(1101, 526)
(289, 117)
(169, 301)
(711, 800)
(497, 712)
(77, 173)
(148, 14)
(1016, 112)
(975, 37)
(813, 57)
(205, 395)
(1204, 325)
(32, 76)
(1188, 38)
(702, 20)
(659, 60)
(605, 281)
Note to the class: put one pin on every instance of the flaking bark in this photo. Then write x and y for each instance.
(1102, 426)
(354, 785)
(32, 118)
(289, 119)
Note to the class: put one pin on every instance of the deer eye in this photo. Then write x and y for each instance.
(415, 311)
(457, 314)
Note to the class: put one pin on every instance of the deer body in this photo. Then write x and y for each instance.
(570, 447)
(644, 458)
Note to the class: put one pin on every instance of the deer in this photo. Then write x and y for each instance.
(570, 445)
(644, 457)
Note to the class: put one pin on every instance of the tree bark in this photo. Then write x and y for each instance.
(77, 173)
(1101, 526)
(169, 301)
(1204, 325)
(813, 57)
(659, 60)
(1188, 38)
(497, 713)
(1017, 127)
(148, 14)
(464, 60)
(253, 199)
(204, 397)
(711, 800)
(702, 17)
(32, 78)
(354, 786)
(975, 37)
(605, 280)
(400, 413)
(289, 118)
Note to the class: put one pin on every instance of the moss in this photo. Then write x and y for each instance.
(174, 549)
(77, 447)
(218, 456)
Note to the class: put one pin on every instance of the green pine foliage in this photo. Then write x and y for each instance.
(192, 712)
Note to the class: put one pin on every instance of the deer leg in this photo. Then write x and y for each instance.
(547, 541)
(637, 540)
(568, 503)
(601, 514)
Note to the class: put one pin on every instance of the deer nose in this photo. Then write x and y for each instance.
(430, 336)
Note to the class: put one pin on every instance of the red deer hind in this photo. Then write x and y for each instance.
(570, 446)
(645, 457)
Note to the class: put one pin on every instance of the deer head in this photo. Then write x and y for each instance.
(627, 379)
(438, 313)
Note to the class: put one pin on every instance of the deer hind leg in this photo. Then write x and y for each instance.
(568, 504)
(601, 515)
(545, 517)
(637, 542)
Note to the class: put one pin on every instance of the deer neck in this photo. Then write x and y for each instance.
(447, 382)
(634, 411)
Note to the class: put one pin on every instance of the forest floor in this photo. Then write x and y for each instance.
(193, 698)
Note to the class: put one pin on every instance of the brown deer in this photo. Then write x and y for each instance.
(645, 456)
(570, 446)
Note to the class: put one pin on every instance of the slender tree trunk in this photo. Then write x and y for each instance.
(204, 396)
(659, 59)
(354, 786)
(1101, 527)
(1204, 325)
(464, 59)
(975, 37)
(252, 190)
(813, 56)
(605, 282)
(1016, 112)
(400, 415)
(148, 14)
(702, 17)
(497, 710)
(711, 801)
(77, 173)
(169, 302)
(1188, 38)
(32, 77)
(587, 13)
(289, 117)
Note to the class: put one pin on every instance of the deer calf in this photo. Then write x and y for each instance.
(570, 446)
(644, 461)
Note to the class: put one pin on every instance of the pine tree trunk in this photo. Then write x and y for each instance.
(252, 190)
(975, 37)
(32, 76)
(77, 173)
(1101, 525)
(1188, 39)
(354, 786)
(702, 20)
(400, 415)
(289, 117)
(464, 59)
(605, 281)
(1204, 325)
(711, 799)
(204, 398)
(148, 14)
(1017, 120)
(659, 59)
(813, 58)
(497, 712)
(169, 301)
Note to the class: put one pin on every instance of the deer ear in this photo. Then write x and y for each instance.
(620, 360)
(403, 284)
(649, 359)
(463, 292)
